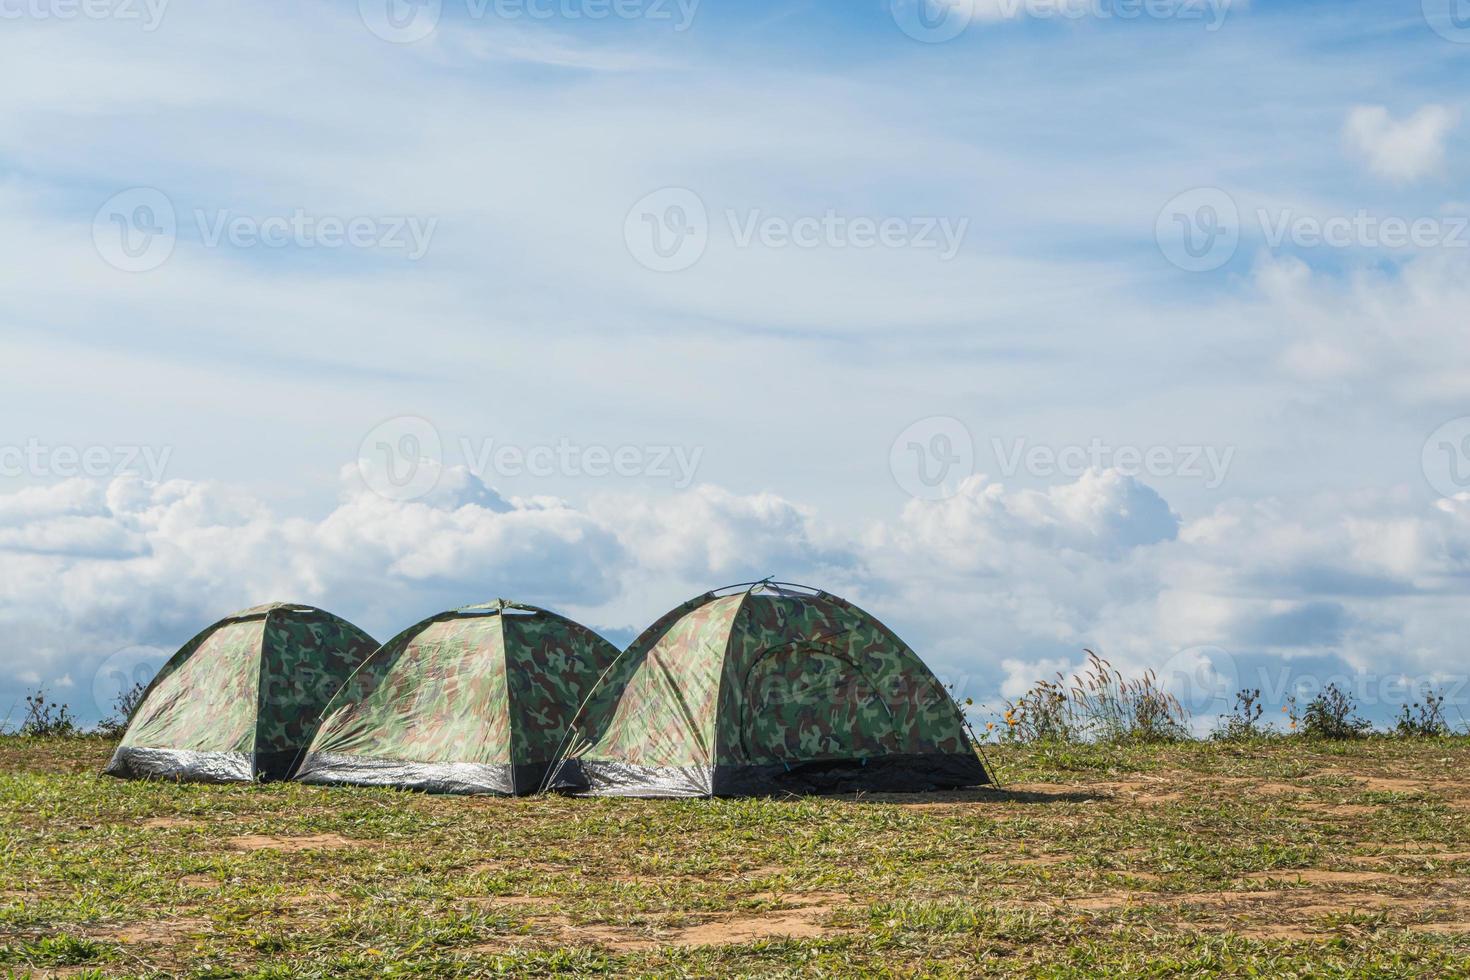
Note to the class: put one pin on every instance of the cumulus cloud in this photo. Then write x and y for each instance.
(995, 584)
(1022, 675)
(1400, 329)
(1103, 513)
(70, 518)
(712, 534)
(1368, 582)
(1401, 150)
(1001, 587)
(91, 566)
(996, 587)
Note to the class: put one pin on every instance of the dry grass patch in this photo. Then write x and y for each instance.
(291, 845)
(170, 823)
(803, 920)
(1317, 876)
(161, 932)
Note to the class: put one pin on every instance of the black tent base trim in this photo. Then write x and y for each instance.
(458, 778)
(184, 765)
(880, 774)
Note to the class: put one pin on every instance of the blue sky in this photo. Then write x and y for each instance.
(586, 234)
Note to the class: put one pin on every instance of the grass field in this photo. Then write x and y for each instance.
(1283, 858)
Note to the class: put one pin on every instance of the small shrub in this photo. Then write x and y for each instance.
(1293, 715)
(47, 719)
(123, 707)
(1121, 710)
(1244, 722)
(1333, 715)
(1425, 720)
(1042, 714)
(1099, 704)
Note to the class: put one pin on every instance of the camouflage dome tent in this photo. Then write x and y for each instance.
(771, 688)
(241, 699)
(476, 700)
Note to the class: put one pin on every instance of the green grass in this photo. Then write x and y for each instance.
(1278, 858)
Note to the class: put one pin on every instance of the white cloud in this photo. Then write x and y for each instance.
(710, 534)
(72, 498)
(1400, 150)
(995, 587)
(993, 579)
(1397, 331)
(1022, 675)
(69, 593)
(1347, 575)
(1103, 513)
(1004, 588)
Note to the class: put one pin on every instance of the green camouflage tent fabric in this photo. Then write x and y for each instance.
(477, 700)
(771, 689)
(241, 700)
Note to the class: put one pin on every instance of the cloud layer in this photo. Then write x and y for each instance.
(995, 586)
